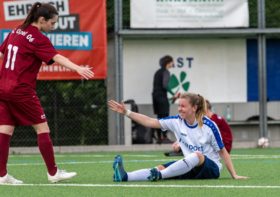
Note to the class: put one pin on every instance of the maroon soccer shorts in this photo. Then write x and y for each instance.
(25, 113)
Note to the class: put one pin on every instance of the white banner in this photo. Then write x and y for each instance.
(189, 13)
(214, 68)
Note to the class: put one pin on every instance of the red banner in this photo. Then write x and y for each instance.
(80, 34)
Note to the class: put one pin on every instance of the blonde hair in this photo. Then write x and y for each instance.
(198, 101)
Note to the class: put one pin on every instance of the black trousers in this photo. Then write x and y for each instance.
(160, 135)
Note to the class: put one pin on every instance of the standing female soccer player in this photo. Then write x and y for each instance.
(197, 135)
(23, 52)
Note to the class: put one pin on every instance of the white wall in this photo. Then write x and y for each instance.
(218, 69)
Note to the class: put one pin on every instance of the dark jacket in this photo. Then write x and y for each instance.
(160, 100)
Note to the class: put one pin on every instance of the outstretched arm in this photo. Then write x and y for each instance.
(86, 72)
(226, 157)
(137, 117)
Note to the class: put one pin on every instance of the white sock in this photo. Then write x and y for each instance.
(181, 166)
(138, 175)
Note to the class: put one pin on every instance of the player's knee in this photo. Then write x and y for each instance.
(7, 132)
(41, 128)
(6, 129)
(192, 160)
(160, 167)
(201, 157)
(42, 131)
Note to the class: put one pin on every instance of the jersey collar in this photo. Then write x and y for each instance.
(191, 126)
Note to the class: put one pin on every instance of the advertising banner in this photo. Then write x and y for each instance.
(189, 13)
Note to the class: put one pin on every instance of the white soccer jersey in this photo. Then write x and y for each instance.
(206, 139)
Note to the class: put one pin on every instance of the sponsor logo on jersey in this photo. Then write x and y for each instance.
(192, 147)
(183, 134)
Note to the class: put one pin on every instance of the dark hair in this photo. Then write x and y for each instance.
(38, 9)
(208, 105)
(199, 101)
(165, 60)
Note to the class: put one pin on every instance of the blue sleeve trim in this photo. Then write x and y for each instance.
(215, 131)
(171, 117)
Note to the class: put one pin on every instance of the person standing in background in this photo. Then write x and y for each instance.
(160, 101)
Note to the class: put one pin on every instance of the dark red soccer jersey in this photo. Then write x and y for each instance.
(225, 131)
(24, 51)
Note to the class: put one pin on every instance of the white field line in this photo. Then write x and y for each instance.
(234, 157)
(143, 155)
(86, 155)
(255, 157)
(153, 186)
(87, 162)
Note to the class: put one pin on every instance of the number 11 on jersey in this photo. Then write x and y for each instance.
(12, 52)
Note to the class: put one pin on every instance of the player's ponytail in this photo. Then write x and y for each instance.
(201, 110)
(38, 9)
(198, 101)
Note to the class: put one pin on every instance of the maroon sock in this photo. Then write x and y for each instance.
(4, 153)
(46, 149)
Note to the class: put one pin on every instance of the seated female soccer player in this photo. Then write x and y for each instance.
(222, 125)
(199, 139)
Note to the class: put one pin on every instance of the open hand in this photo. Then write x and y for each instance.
(240, 177)
(117, 107)
(176, 147)
(86, 72)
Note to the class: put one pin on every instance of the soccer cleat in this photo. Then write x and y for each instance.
(8, 179)
(155, 175)
(173, 154)
(61, 175)
(119, 172)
